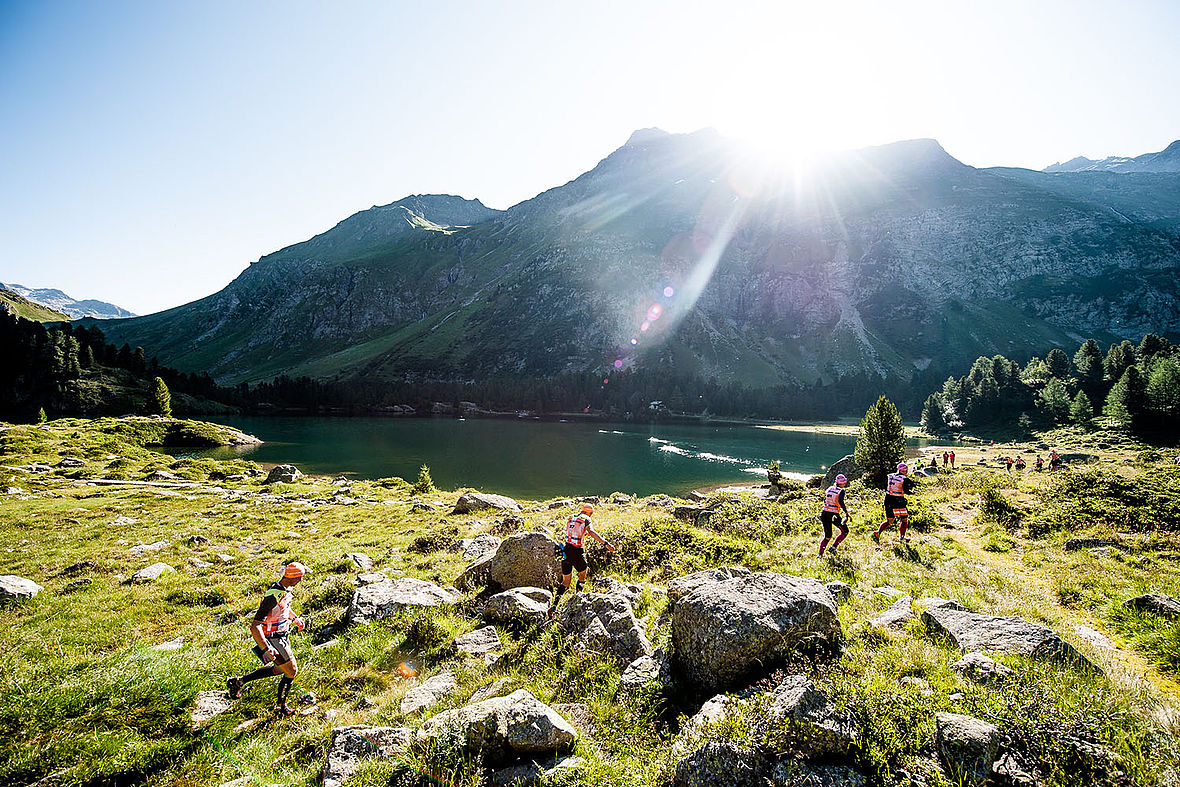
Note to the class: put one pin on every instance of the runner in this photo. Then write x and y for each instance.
(1054, 461)
(1039, 465)
(572, 555)
(945, 457)
(1007, 460)
(1020, 465)
(833, 502)
(952, 460)
(896, 487)
(270, 628)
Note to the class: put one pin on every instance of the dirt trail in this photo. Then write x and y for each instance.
(1125, 668)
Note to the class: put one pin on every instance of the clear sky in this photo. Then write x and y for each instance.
(149, 151)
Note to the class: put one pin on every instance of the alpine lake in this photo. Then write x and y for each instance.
(535, 459)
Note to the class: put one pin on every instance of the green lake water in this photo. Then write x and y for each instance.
(536, 459)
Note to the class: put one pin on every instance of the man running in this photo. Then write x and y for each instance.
(572, 555)
(896, 487)
(833, 503)
(270, 629)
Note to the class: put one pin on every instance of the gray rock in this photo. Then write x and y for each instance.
(921, 685)
(622, 499)
(682, 586)
(501, 728)
(613, 587)
(791, 773)
(724, 631)
(519, 605)
(972, 632)
(429, 693)
(197, 540)
(1077, 544)
(525, 560)
(897, 616)
(360, 560)
(652, 673)
(560, 504)
(967, 747)
(1156, 604)
(163, 475)
(147, 549)
(1095, 638)
(604, 624)
(151, 573)
(1013, 771)
(170, 645)
(12, 586)
(210, 704)
(934, 601)
(476, 574)
(846, 466)
(840, 591)
(479, 501)
(478, 642)
(981, 669)
(77, 584)
(550, 770)
(13, 490)
(351, 745)
(475, 548)
(659, 501)
(283, 474)
(888, 591)
(722, 764)
(71, 461)
(383, 599)
(371, 578)
(801, 718)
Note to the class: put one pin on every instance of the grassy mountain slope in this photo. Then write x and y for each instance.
(22, 307)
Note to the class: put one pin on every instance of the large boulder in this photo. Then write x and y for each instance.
(351, 745)
(973, 632)
(283, 474)
(682, 586)
(428, 693)
(478, 642)
(791, 773)
(479, 501)
(360, 560)
(845, 466)
(500, 729)
(519, 605)
(967, 747)
(897, 616)
(12, 586)
(648, 673)
(802, 719)
(383, 599)
(1156, 604)
(551, 770)
(475, 548)
(476, 574)
(724, 631)
(604, 623)
(981, 669)
(525, 560)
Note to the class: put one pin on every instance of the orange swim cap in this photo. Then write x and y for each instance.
(295, 570)
(587, 508)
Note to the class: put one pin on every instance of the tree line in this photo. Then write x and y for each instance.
(1136, 385)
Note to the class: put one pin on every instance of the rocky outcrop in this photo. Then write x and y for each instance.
(1155, 604)
(283, 474)
(12, 586)
(525, 605)
(722, 764)
(209, 705)
(359, 559)
(967, 747)
(525, 560)
(351, 745)
(648, 673)
(475, 548)
(475, 575)
(471, 502)
(478, 642)
(501, 728)
(604, 623)
(383, 599)
(981, 669)
(147, 549)
(897, 616)
(802, 719)
(846, 466)
(549, 770)
(791, 773)
(723, 631)
(972, 632)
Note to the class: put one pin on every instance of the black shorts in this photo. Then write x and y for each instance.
(574, 558)
(895, 506)
(282, 645)
(829, 518)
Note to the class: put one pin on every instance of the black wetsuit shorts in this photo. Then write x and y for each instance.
(574, 558)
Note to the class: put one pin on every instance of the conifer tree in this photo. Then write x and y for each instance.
(1087, 361)
(1081, 412)
(1163, 394)
(933, 420)
(424, 484)
(41, 417)
(881, 442)
(1058, 363)
(1127, 401)
(1053, 400)
(161, 401)
(86, 359)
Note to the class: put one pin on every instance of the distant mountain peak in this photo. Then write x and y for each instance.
(58, 301)
(643, 136)
(1166, 160)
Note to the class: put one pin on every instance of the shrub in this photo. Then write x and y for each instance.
(425, 484)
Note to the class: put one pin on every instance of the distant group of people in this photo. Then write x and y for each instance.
(1038, 464)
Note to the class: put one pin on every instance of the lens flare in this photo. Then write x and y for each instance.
(634, 341)
(618, 363)
(669, 292)
(654, 312)
(645, 326)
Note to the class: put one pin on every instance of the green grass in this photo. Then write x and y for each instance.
(81, 689)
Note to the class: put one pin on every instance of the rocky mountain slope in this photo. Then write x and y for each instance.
(1166, 160)
(13, 303)
(680, 253)
(59, 301)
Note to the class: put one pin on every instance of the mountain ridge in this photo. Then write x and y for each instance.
(1166, 160)
(58, 301)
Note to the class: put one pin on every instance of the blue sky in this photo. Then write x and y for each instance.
(152, 150)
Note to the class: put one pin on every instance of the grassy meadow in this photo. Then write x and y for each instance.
(85, 696)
